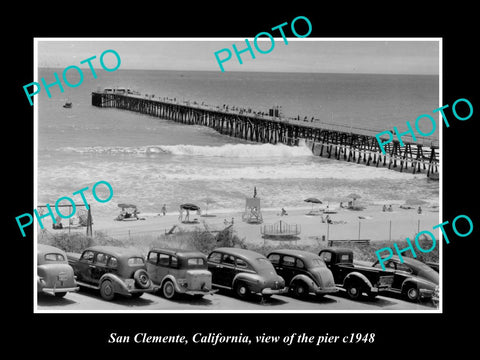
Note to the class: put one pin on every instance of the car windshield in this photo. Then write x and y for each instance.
(135, 261)
(54, 257)
(196, 263)
(315, 263)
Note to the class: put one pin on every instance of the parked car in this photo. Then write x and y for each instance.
(54, 275)
(179, 272)
(112, 270)
(354, 278)
(245, 272)
(412, 278)
(303, 272)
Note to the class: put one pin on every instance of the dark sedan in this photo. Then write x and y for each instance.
(412, 278)
(304, 272)
(245, 272)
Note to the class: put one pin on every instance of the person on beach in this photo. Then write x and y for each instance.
(164, 209)
(284, 212)
(390, 208)
(384, 208)
(419, 210)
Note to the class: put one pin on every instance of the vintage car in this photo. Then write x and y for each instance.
(303, 272)
(112, 270)
(355, 278)
(179, 272)
(245, 272)
(412, 278)
(54, 275)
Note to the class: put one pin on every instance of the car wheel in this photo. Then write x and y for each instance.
(136, 295)
(412, 293)
(300, 289)
(354, 290)
(107, 291)
(241, 290)
(141, 279)
(168, 289)
(60, 294)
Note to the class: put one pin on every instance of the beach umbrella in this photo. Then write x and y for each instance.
(123, 206)
(190, 207)
(313, 200)
(354, 196)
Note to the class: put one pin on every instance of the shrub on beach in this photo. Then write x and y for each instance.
(71, 242)
(77, 242)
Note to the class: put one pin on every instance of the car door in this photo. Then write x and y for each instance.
(83, 267)
(228, 271)
(163, 267)
(99, 267)
(275, 260)
(214, 266)
(152, 261)
(402, 272)
(287, 265)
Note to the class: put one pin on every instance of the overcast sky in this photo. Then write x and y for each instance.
(299, 55)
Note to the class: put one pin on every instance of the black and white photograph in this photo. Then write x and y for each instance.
(265, 182)
(282, 185)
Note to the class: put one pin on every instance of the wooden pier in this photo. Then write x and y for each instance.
(330, 141)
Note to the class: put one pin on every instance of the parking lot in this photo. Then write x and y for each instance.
(90, 300)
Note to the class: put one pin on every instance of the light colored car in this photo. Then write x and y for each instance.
(179, 272)
(54, 275)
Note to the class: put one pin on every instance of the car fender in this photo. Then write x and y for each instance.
(419, 283)
(250, 278)
(306, 279)
(172, 278)
(118, 284)
(358, 276)
(40, 284)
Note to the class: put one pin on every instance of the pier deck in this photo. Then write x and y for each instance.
(352, 144)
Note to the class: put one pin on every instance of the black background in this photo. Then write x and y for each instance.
(396, 334)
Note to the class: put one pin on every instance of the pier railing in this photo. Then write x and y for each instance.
(341, 142)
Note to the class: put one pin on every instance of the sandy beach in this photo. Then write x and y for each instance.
(372, 224)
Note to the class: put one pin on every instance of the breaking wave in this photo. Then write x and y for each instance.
(227, 151)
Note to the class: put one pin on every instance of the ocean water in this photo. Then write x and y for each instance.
(151, 161)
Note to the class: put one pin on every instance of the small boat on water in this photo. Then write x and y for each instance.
(68, 104)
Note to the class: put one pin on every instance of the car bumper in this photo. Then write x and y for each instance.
(199, 292)
(426, 293)
(324, 291)
(60, 290)
(269, 291)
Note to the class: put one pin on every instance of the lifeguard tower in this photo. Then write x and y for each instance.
(252, 214)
